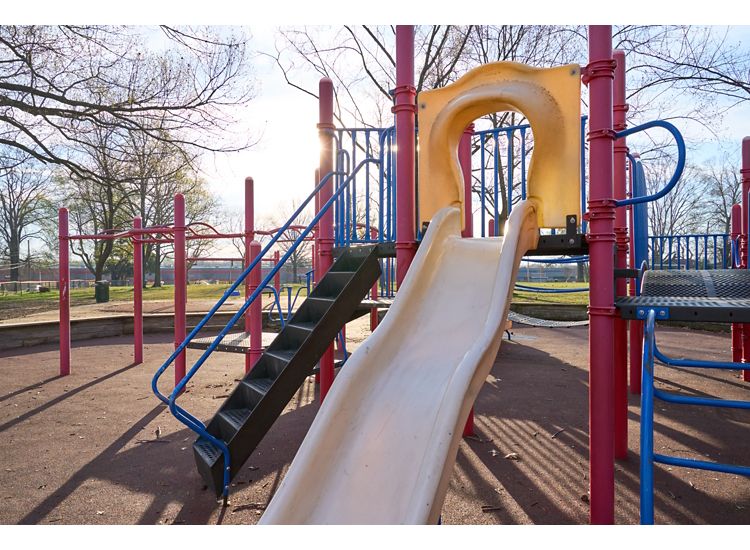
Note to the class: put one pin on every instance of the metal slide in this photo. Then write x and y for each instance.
(382, 448)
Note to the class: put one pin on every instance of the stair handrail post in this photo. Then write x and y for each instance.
(601, 237)
(137, 292)
(405, 110)
(277, 277)
(620, 109)
(180, 284)
(326, 239)
(63, 284)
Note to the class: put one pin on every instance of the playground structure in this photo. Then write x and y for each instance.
(350, 258)
(315, 476)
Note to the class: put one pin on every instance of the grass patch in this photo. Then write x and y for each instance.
(551, 298)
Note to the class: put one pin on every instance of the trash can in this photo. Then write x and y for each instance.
(101, 291)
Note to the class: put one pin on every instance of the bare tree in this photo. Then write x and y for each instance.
(61, 86)
(24, 203)
(722, 186)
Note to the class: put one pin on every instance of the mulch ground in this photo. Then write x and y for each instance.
(83, 449)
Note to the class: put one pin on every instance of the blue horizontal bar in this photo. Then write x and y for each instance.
(525, 288)
(701, 401)
(702, 465)
(669, 361)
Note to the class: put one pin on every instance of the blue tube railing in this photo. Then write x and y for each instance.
(179, 413)
(692, 251)
(680, 160)
(649, 392)
(526, 288)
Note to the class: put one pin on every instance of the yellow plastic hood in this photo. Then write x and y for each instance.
(549, 98)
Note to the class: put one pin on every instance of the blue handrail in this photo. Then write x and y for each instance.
(680, 159)
(649, 392)
(179, 413)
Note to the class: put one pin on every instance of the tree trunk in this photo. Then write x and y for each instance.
(14, 251)
(157, 266)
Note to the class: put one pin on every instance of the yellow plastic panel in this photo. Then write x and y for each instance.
(549, 98)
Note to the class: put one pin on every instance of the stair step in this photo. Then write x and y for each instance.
(233, 419)
(207, 450)
(303, 325)
(256, 389)
(282, 354)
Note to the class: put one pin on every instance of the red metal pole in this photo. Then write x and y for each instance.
(736, 231)
(316, 232)
(464, 158)
(254, 317)
(405, 111)
(137, 295)
(620, 108)
(601, 238)
(64, 288)
(325, 249)
(180, 284)
(374, 292)
(745, 172)
(491, 228)
(277, 277)
(636, 327)
(249, 236)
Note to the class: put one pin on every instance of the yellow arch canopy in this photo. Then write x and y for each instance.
(549, 98)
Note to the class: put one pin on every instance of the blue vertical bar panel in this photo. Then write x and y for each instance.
(509, 135)
(496, 174)
(653, 252)
(389, 213)
(661, 252)
(481, 172)
(679, 250)
(714, 239)
(381, 175)
(705, 252)
(523, 164)
(724, 251)
(697, 255)
(351, 214)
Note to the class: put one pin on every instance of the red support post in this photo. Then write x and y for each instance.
(374, 292)
(620, 108)
(405, 110)
(736, 231)
(316, 233)
(180, 284)
(137, 294)
(254, 315)
(325, 249)
(601, 212)
(464, 158)
(745, 173)
(63, 286)
(277, 277)
(491, 228)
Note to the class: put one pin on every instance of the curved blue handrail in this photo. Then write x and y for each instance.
(277, 302)
(178, 412)
(680, 159)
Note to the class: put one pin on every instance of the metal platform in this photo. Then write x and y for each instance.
(235, 342)
(719, 296)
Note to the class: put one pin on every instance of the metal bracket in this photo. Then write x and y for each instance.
(662, 313)
(569, 243)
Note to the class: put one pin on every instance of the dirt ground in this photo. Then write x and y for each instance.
(83, 449)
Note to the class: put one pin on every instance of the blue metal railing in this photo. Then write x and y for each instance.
(693, 251)
(649, 392)
(183, 416)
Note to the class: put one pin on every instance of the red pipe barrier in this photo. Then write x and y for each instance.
(736, 231)
(180, 284)
(405, 112)
(601, 238)
(64, 288)
(325, 240)
(745, 173)
(464, 158)
(491, 228)
(374, 292)
(620, 108)
(137, 296)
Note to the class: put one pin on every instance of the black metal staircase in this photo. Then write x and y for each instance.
(260, 397)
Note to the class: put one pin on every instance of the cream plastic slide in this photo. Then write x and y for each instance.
(382, 447)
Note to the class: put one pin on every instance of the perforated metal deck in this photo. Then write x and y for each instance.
(720, 296)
